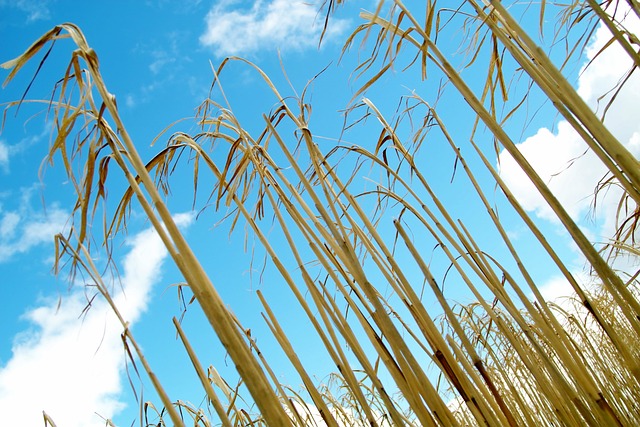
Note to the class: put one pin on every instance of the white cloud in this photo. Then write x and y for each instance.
(19, 232)
(130, 101)
(72, 367)
(559, 156)
(9, 150)
(8, 224)
(4, 157)
(36, 10)
(558, 290)
(562, 161)
(268, 25)
(166, 54)
(63, 366)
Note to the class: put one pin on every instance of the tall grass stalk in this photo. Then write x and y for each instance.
(508, 358)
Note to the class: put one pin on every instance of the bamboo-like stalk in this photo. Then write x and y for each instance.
(89, 266)
(454, 323)
(202, 376)
(210, 301)
(511, 361)
(286, 346)
(47, 420)
(284, 272)
(521, 295)
(414, 302)
(574, 109)
(406, 360)
(601, 135)
(615, 31)
(469, 283)
(604, 271)
(337, 355)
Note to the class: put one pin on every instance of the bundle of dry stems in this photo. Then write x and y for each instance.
(509, 358)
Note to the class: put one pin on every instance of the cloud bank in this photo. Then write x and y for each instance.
(561, 157)
(563, 160)
(72, 367)
(267, 25)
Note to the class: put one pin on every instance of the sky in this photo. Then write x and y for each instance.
(157, 57)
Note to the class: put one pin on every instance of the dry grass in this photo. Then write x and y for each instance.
(351, 251)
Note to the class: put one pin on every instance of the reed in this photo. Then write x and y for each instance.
(352, 254)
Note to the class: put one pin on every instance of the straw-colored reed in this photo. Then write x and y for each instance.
(508, 358)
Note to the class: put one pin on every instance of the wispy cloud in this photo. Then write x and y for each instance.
(36, 10)
(561, 156)
(268, 25)
(19, 232)
(130, 101)
(4, 157)
(168, 53)
(557, 289)
(167, 61)
(10, 149)
(72, 367)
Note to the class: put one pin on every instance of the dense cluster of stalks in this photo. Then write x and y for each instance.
(353, 254)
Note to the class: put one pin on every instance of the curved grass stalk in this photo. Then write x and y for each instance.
(468, 282)
(610, 151)
(211, 394)
(509, 361)
(494, 279)
(345, 251)
(155, 209)
(459, 250)
(609, 278)
(277, 331)
(274, 257)
(87, 263)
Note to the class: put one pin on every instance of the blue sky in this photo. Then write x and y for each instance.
(156, 56)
